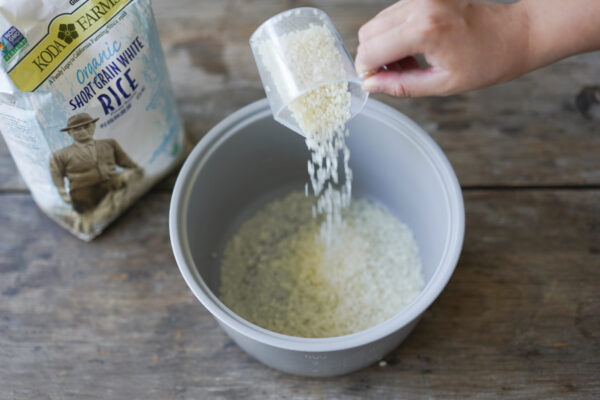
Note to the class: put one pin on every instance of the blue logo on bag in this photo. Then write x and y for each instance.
(13, 36)
(12, 40)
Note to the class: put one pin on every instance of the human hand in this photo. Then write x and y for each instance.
(66, 198)
(468, 44)
(139, 173)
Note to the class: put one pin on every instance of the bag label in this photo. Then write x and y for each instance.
(66, 33)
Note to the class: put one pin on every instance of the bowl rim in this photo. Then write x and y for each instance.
(442, 273)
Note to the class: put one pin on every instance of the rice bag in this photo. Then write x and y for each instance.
(86, 106)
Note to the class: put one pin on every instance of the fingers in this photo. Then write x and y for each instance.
(388, 46)
(413, 82)
(392, 38)
(404, 64)
(385, 20)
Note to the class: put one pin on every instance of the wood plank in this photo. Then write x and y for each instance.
(519, 319)
(526, 132)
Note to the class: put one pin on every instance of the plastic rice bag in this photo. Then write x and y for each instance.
(86, 106)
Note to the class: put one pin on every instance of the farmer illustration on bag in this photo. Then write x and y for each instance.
(89, 165)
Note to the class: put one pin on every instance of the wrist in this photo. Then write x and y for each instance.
(558, 29)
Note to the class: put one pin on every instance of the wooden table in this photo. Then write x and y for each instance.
(520, 318)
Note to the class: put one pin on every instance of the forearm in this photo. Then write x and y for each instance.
(57, 175)
(60, 186)
(561, 28)
(122, 159)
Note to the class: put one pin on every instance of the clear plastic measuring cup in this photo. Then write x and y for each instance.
(289, 73)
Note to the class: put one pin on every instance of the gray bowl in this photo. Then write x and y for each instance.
(248, 158)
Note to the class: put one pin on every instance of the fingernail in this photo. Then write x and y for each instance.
(360, 69)
(365, 75)
(370, 85)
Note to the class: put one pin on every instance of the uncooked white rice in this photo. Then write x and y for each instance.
(311, 57)
(278, 274)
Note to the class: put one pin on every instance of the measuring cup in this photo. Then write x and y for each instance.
(279, 72)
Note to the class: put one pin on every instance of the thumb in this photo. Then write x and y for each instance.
(410, 83)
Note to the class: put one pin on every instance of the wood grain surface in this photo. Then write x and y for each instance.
(525, 132)
(520, 318)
